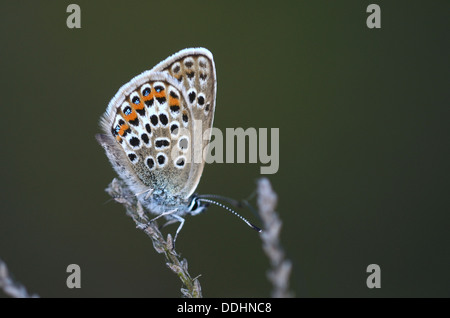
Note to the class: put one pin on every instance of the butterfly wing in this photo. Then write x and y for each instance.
(149, 123)
(194, 69)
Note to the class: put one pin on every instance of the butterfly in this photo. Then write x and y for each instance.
(156, 128)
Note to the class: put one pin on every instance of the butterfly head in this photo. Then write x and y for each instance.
(196, 205)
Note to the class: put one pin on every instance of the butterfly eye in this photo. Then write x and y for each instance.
(197, 206)
(194, 205)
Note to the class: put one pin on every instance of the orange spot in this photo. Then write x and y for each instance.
(160, 94)
(123, 128)
(118, 138)
(131, 116)
(173, 101)
(138, 106)
(148, 97)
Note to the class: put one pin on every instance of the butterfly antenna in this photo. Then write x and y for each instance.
(230, 210)
(233, 202)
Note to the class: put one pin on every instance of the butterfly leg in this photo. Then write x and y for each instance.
(168, 223)
(164, 214)
(147, 196)
(175, 219)
(181, 220)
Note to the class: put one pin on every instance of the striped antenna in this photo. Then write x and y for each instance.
(230, 210)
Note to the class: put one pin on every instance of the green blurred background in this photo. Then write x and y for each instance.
(364, 145)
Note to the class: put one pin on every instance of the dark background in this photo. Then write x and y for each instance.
(363, 118)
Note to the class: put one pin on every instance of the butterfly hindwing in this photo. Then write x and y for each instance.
(194, 69)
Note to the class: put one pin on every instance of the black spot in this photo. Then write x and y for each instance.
(149, 103)
(134, 122)
(121, 122)
(126, 132)
(188, 64)
(185, 118)
(173, 94)
(203, 76)
(180, 162)
(150, 163)
(161, 100)
(162, 143)
(175, 108)
(190, 75)
(183, 143)
(144, 137)
(134, 141)
(154, 120)
(207, 107)
(141, 111)
(192, 97)
(163, 118)
(146, 91)
(202, 64)
(180, 79)
(132, 156)
(159, 88)
(201, 100)
(161, 159)
(148, 128)
(136, 100)
(115, 131)
(127, 110)
(120, 140)
(174, 129)
(176, 69)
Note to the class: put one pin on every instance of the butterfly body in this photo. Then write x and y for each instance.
(152, 127)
